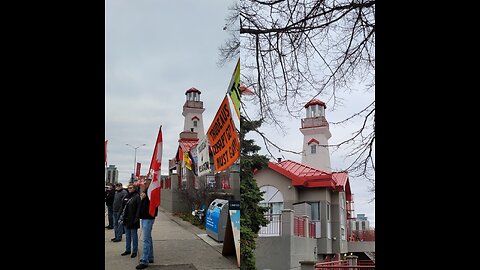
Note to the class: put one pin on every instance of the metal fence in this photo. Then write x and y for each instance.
(273, 228)
(345, 264)
(298, 226)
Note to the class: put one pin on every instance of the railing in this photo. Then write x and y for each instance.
(344, 264)
(332, 263)
(361, 235)
(193, 104)
(298, 226)
(311, 229)
(351, 267)
(314, 122)
(273, 228)
(366, 262)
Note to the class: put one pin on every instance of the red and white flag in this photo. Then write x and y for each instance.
(153, 191)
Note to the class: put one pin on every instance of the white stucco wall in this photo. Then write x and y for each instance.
(321, 159)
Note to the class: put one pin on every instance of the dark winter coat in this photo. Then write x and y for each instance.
(109, 196)
(131, 218)
(145, 205)
(117, 201)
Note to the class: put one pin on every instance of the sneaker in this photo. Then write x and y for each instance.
(141, 266)
(113, 239)
(125, 253)
(150, 261)
(117, 240)
(133, 255)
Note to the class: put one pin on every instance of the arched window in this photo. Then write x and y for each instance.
(272, 198)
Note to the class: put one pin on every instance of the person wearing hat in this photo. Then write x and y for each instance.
(120, 193)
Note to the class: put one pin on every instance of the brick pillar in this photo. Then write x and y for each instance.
(306, 228)
(287, 222)
(352, 261)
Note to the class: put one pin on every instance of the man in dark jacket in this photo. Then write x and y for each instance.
(109, 196)
(120, 193)
(131, 220)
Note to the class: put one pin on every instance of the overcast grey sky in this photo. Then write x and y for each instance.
(155, 51)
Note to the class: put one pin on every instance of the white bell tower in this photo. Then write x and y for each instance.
(192, 111)
(315, 136)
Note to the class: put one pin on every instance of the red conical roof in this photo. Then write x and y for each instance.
(315, 102)
(193, 89)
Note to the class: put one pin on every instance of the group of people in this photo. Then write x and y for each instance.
(127, 210)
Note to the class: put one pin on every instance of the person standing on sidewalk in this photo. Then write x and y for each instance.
(120, 193)
(109, 197)
(147, 224)
(131, 220)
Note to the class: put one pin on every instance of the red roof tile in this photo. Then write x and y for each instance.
(341, 178)
(301, 174)
(193, 89)
(306, 176)
(314, 102)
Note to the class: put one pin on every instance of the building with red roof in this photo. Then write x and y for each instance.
(309, 205)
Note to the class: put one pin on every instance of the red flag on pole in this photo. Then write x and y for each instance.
(106, 141)
(137, 172)
(153, 191)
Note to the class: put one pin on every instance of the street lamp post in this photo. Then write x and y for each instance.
(135, 160)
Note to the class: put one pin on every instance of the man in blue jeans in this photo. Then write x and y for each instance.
(147, 224)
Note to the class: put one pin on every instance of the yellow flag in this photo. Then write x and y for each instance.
(234, 88)
(187, 161)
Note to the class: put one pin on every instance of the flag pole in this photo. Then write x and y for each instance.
(155, 148)
(233, 76)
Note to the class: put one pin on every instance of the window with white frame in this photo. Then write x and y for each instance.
(315, 210)
(195, 124)
(313, 149)
(329, 224)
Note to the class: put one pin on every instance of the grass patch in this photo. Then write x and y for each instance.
(192, 219)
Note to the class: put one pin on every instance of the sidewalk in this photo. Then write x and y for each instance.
(177, 244)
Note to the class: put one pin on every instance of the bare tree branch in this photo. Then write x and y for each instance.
(296, 50)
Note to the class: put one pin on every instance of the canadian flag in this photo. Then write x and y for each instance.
(153, 190)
